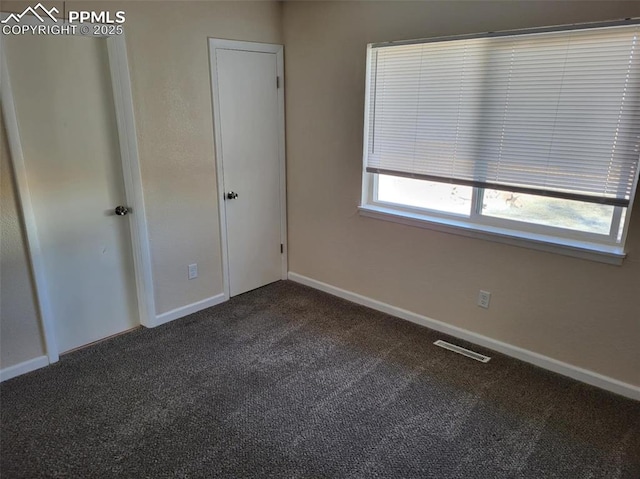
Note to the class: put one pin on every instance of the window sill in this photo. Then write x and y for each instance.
(577, 249)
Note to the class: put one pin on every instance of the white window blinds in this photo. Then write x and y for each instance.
(554, 113)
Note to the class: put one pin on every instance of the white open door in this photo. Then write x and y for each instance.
(248, 100)
(66, 148)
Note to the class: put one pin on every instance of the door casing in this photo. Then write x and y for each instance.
(123, 103)
(215, 43)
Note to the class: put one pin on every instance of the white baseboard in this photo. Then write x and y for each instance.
(189, 309)
(23, 368)
(569, 370)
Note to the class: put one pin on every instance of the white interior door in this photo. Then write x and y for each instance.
(249, 140)
(66, 120)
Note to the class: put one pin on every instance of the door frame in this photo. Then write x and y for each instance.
(123, 103)
(278, 50)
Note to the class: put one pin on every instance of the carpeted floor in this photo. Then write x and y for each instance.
(290, 382)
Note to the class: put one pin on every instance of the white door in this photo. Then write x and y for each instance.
(249, 138)
(66, 121)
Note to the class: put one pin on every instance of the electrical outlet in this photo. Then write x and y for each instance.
(193, 271)
(483, 299)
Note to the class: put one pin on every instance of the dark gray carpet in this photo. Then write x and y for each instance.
(290, 382)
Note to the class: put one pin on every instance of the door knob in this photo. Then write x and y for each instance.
(232, 195)
(121, 210)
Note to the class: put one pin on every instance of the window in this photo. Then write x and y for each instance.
(533, 135)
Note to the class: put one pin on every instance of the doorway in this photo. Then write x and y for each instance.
(67, 106)
(248, 104)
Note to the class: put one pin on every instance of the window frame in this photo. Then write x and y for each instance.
(592, 246)
(476, 217)
(574, 245)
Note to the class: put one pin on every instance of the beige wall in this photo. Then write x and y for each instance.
(20, 337)
(581, 312)
(168, 57)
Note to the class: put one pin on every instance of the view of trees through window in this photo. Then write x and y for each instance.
(454, 199)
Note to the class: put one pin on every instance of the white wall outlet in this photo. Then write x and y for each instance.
(193, 271)
(483, 299)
